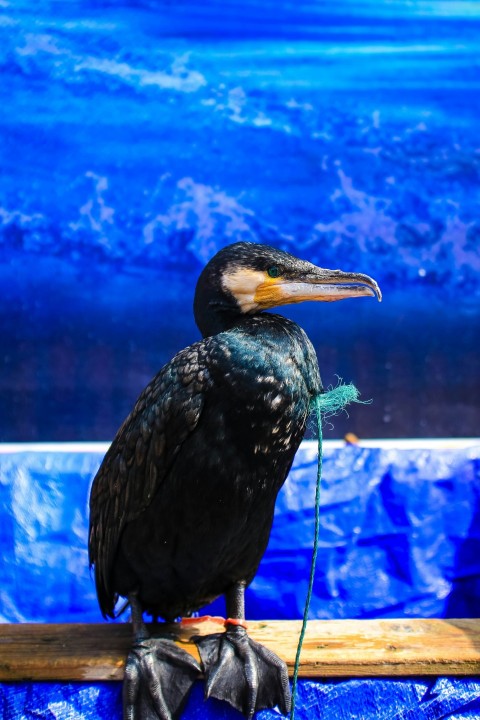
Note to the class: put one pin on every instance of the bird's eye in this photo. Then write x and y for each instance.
(274, 271)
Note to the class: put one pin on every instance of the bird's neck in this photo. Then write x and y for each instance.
(217, 317)
(215, 310)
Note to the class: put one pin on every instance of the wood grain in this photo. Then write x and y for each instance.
(332, 648)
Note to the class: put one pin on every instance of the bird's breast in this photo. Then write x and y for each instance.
(264, 375)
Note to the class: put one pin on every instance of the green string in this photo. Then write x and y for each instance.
(325, 405)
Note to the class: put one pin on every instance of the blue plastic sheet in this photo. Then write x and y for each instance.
(378, 699)
(400, 537)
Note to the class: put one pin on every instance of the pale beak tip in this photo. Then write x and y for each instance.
(376, 292)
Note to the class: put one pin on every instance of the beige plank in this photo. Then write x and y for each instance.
(332, 648)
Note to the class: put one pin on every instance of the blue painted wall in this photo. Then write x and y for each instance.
(137, 138)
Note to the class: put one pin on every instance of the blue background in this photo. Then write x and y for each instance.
(140, 137)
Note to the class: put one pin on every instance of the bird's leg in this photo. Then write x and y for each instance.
(235, 600)
(239, 670)
(140, 631)
(158, 674)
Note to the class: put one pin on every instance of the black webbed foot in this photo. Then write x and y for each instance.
(158, 678)
(246, 674)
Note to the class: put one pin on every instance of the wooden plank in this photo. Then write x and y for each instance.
(332, 648)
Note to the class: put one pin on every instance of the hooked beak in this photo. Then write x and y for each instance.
(316, 284)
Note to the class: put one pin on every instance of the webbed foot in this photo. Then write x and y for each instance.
(158, 678)
(246, 674)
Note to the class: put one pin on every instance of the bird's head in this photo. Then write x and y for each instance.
(246, 278)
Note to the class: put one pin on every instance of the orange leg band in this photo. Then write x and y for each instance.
(237, 622)
(204, 618)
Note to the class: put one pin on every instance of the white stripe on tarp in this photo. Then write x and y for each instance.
(382, 444)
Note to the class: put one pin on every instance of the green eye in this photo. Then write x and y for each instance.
(273, 272)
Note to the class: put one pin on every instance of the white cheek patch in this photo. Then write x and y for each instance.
(242, 283)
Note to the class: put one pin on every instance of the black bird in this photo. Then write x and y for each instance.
(182, 505)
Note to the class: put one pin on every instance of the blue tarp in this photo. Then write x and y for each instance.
(379, 699)
(400, 537)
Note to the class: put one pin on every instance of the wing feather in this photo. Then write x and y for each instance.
(137, 463)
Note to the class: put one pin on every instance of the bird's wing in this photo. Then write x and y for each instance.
(140, 457)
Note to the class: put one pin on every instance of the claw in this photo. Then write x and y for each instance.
(242, 672)
(158, 678)
(131, 685)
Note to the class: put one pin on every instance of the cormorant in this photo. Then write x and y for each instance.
(182, 505)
